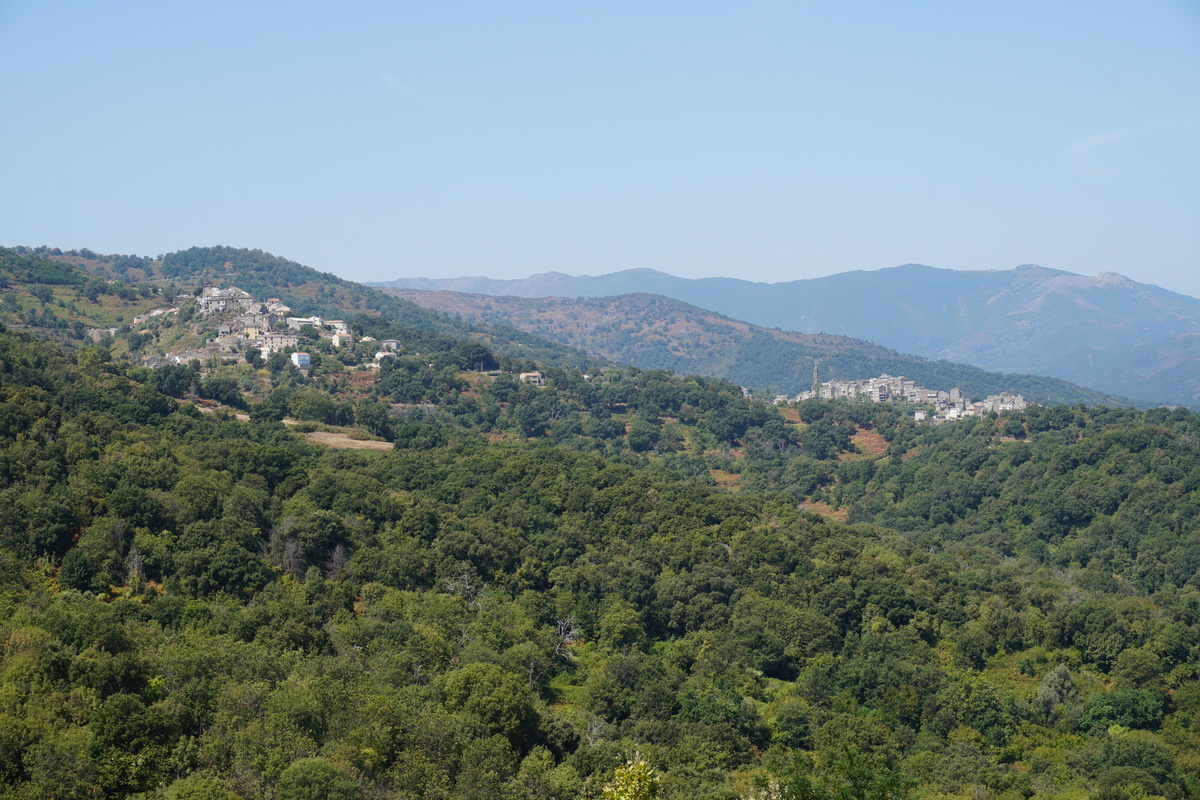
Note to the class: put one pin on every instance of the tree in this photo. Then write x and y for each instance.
(487, 766)
(316, 779)
(1130, 708)
(643, 435)
(176, 379)
(633, 780)
(373, 415)
(840, 775)
(277, 362)
(195, 787)
(471, 355)
(607, 428)
(621, 626)
(223, 389)
(1056, 694)
(531, 422)
(501, 700)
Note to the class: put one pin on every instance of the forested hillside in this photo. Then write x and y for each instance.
(616, 580)
(261, 274)
(310, 292)
(656, 332)
(56, 300)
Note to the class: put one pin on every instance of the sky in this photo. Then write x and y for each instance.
(768, 140)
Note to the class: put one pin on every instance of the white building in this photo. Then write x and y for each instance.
(296, 323)
(277, 342)
(213, 300)
(533, 378)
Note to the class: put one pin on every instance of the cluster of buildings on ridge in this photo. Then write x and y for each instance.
(896, 388)
(266, 326)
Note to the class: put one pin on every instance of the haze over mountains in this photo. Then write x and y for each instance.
(1105, 332)
(647, 331)
(655, 332)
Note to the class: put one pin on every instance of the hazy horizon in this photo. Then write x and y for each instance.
(732, 277)
(772, 141)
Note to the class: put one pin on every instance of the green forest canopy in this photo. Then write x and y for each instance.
(535, 587)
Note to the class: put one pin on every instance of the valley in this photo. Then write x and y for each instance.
(1029, 319)
(656, 332)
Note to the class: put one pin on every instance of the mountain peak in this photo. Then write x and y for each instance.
(1113, 279)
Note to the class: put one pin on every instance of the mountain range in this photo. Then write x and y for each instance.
(1106, 332)
(657, 332)
(107, 292)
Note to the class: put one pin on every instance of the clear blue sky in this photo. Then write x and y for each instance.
(761, 139)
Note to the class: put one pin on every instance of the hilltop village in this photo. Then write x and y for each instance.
(898, 389)
(245, 327)
(242, 326)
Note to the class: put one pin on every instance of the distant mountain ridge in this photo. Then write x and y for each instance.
(656, 332)
(559, 284)
(1026, 319)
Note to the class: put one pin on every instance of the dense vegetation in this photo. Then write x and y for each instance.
(618, 584)
(198, 606)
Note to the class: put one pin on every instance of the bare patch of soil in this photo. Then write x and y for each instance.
(870, 441)
(343, 442)
(724, 478)
(826, 510)
(790, 414)
(363, 380)
(205, 409)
